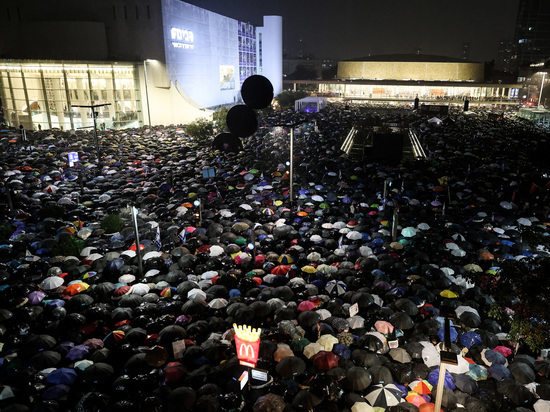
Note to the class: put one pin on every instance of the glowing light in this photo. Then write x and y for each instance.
(247, 333)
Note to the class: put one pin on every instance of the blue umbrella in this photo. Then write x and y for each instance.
(336, 287)
(65, 376)
(452, 332)
(470, 339)
(342, 350)
(56, 391)
(449, 381)
(500, 372)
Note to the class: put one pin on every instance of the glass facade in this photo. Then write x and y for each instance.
(43, 94)
(424, 92)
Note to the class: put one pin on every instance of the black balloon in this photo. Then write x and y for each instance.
(257, 92)
(227, 142)
(241, 120)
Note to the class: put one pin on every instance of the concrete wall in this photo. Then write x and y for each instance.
(411, 71)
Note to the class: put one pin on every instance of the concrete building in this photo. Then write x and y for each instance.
(155, 62)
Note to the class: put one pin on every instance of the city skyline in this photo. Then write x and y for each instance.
(357, 28)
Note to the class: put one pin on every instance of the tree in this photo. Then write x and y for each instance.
(201, 129)
(521, 298)
(219, 119)
(287, 98)
(303, 73)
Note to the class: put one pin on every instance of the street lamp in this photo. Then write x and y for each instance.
(147, 89)
(541, 87)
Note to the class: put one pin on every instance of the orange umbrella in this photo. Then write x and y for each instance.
(421, 386)
(486, 256)
(415, 398)
(75, 288)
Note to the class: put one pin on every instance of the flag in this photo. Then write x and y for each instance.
(79, 223)
(157, 239)
(182, 235)
(340, 241)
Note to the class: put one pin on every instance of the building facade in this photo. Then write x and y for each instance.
(532, 34)
(155, 62)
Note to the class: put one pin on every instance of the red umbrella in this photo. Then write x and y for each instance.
(325, 360)
(280, 270)
(174, 371)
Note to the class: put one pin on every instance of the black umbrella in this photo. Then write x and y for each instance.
(465, 383)
(99, 372)
(370, 342)
(401, 321)
(543, 367)
(522, 372)
(380, 375)
(357, 378)
(45, 359)
(290, 366)
(516, 392)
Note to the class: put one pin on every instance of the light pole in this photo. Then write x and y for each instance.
(147, 90)
(541, 87)
(94, 115)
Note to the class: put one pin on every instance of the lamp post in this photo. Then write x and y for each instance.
(147, 90)
(541, 87)
(92, 107)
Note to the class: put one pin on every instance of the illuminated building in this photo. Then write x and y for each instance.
(405, 77)
(166, 62)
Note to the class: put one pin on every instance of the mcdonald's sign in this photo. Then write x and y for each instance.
(247, 343)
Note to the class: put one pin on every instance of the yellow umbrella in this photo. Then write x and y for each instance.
(449, 294)
(309, 269)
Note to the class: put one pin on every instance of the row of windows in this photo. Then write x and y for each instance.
(125, 12)
(16, 13)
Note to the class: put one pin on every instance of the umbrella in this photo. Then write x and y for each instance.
(469, 339)
(522, 372)
(311, 349)
(325, 360)
(421, 386)
(64, 376)
(384, 396)
(400, 355)
(357, 378)
(516, 392)
(290, 366)
(327, 341)
(433, 378)
(51, 283)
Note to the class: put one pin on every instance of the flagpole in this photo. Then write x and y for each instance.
(136, 233)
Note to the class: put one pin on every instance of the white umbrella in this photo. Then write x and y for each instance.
(323, 313)
(524, 221)
(127, 278)
(151, 255)
(226, 213)
(339, 225)
(94, 256)
(196, 294)
(209, 275)
(423, 226)
(87, 251)
(245, 206)
(140, 289)
(317, 198)
(354, 235)
(458, 252)
(216, 250)
(217, 303)
(50, 283)
(452, 246)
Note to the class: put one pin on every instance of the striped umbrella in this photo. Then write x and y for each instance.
(336, 287)
(384, 396)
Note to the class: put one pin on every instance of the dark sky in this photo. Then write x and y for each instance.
(355, 28)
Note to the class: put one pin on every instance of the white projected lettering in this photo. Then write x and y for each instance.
(181, 34)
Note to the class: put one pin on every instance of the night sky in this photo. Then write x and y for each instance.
(345, 29)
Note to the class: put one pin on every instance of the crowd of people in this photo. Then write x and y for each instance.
(122, 277)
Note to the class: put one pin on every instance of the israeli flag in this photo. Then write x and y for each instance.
(157, 239)
(182, 235)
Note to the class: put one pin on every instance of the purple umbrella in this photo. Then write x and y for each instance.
(78, 352)
(65, 376)
(36, 297)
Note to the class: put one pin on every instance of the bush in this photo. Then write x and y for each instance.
(201, 129)
(69, 247)
(6, 230)
(52, 209)
(287, 98)
(112, 223)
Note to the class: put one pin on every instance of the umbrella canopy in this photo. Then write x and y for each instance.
(384, 396)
